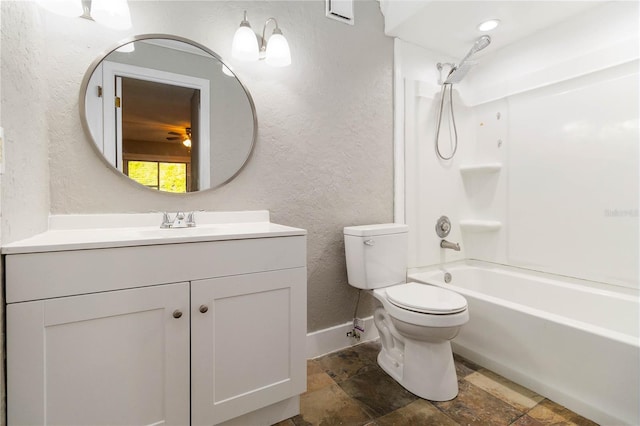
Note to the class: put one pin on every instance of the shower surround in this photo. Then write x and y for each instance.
(545, 177)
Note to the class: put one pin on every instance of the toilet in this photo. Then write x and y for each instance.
(416, 322)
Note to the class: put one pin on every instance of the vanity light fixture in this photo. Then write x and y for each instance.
(275, 51)
(245, 44)
(489, 25)
(112, 14)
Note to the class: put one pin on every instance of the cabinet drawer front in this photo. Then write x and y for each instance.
(111, 358)
(56, 274)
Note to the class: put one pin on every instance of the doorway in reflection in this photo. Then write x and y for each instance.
(159, 149)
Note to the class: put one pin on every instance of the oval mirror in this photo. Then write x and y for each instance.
(168, 113)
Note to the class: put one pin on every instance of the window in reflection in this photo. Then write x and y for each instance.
(168, 177)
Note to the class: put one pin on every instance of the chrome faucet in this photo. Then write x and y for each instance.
(179, 221)
(449, 245)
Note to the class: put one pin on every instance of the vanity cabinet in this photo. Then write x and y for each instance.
(202, 333)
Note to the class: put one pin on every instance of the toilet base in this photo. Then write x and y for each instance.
(426, 370)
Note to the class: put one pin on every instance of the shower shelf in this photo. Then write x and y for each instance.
(480, 225)
(477, 169)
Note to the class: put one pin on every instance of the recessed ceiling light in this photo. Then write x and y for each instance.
(489, 25)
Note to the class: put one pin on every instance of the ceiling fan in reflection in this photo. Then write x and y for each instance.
(184, 137)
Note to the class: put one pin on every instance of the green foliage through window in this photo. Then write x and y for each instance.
(168, 177)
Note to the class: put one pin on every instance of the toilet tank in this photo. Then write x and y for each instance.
(376, 254)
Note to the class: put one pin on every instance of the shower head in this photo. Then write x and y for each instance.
(459, 71)
(480, 44)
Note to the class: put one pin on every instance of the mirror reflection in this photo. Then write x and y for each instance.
(168, 113)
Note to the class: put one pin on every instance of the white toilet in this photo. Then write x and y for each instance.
(416, 321)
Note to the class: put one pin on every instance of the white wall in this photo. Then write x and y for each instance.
(567, 195)
(25, 183)
(323, 158)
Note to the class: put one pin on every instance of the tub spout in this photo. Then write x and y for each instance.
(448, 245)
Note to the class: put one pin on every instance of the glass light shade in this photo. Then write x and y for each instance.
(111, 13)
(187, 143)
(245, 44)
(278, 53)
(72, 8)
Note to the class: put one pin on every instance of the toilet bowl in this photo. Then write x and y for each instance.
(416, 322)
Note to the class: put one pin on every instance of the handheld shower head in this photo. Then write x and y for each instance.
(480, 43)
(459, 71)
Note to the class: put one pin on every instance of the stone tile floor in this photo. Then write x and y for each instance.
(349, 388)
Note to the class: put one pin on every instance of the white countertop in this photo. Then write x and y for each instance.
(82, 232)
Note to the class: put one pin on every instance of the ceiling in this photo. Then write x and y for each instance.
(450, 26)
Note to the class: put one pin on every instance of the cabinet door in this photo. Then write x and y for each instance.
(248, 347)
(116, 358)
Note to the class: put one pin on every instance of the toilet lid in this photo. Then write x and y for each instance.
(426, 299)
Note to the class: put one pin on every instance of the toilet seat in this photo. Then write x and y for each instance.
(426, 299)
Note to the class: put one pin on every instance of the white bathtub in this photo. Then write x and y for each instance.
(573, 341)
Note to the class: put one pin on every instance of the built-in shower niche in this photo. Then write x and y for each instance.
(480, 183)
(479, 225)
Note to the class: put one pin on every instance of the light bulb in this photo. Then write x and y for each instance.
(278, 53)
(245, 43)
(187, 143)
(111, 13)
(71, 8)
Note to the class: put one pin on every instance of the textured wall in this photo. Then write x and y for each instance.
(323, 158)
(25, 183)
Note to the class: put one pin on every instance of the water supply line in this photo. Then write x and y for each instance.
(455, 75)
(454, 147)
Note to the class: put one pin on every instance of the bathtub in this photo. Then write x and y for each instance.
(572, 341)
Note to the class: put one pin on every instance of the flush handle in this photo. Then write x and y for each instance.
(204, 309)
(177, 313)
(369, 243)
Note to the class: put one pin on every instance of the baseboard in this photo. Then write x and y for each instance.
(334, 338)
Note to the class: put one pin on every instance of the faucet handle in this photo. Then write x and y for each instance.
(166, 222)
(191, 222)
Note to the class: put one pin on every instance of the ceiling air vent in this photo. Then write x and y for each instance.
(340, 10)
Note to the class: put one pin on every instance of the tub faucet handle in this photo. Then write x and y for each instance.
(443, 227)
